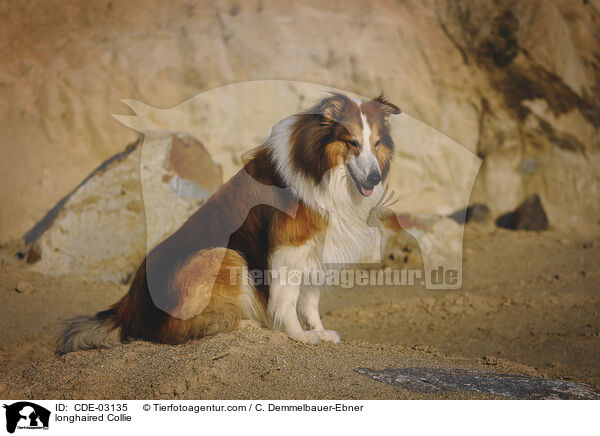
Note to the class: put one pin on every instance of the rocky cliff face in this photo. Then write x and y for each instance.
(515, 82)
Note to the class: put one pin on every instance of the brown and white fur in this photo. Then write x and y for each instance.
(333, 159)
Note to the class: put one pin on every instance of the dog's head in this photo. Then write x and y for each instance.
(343, 131)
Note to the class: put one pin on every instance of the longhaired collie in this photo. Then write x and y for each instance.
(302, 202)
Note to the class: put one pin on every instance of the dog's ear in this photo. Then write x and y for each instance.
(387, 107)
(333, 107)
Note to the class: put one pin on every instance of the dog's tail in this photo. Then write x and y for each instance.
(87, 332)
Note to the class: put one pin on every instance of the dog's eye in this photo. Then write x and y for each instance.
(378, 143)
(354, 144)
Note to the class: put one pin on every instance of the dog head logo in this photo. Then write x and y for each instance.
(26, 415)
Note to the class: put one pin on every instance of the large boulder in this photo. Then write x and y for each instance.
(100, 230)
(430, 245)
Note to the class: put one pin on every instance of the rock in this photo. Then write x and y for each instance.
(506, 221)
(528, 166)
(24, 287)
(476, 213)
(196, 175)
(402, 251)
(103, 228)
(439, 381)
(530, 215)
(33, 254)
(423, 242)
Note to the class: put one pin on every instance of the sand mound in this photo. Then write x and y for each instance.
(246, 364)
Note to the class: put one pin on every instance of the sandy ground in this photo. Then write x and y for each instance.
(530, 305)
(529, 297)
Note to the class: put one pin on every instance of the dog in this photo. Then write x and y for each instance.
(302, 201)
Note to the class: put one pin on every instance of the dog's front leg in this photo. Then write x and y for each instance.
(284, 291)
(308, 309)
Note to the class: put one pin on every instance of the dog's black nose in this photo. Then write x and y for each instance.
(373, 178)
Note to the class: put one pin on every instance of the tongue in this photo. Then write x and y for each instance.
(366, 192)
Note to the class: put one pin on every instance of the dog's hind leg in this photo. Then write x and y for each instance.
(209, 295)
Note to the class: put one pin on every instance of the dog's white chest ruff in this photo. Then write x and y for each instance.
(346, 242)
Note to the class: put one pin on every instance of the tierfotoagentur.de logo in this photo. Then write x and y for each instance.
(25, 415)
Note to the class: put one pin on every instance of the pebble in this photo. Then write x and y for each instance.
(24, 287)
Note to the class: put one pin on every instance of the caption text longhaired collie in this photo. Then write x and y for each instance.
(302, 201)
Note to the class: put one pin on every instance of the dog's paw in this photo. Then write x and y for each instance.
(329, 336)
(306, 337)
